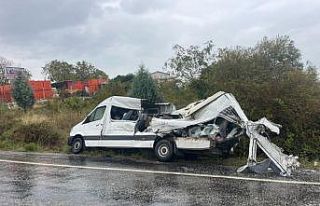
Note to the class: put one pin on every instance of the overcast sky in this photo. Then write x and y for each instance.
(118, 35)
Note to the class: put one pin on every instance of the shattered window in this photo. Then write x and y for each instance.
(119, 113)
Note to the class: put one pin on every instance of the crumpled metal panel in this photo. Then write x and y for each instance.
(225, 105)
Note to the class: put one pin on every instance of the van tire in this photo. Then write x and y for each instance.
(77, 145)
(164, 150)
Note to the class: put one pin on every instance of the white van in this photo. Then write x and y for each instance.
(124, 122)
(216, 123)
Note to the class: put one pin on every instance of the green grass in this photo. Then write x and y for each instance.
(307, 164)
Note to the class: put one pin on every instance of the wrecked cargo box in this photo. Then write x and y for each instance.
(216, 123)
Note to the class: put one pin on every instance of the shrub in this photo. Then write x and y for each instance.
(74, 103)
(3, 108)
(54, 105)
(8, 121)
(31, 147)
(65, 121)
(39, 133)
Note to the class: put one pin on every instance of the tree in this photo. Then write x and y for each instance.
(121, 84)
(278, 56)
(270, 80)
(123, 78)
(61, 71)
(268, 62)
(118, 86)
(85, 71)
(179, 95)
(144, 87)
(188, 63)
(3, 64)
(22, 92)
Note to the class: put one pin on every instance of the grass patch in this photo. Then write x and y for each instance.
(44, 128)
(310, 164)
(42, 134)
(31, 147)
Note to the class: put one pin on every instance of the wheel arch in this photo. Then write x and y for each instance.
(168, 137)
(72, 138)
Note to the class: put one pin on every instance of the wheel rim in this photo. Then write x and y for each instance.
(77, 145)
(163, 150)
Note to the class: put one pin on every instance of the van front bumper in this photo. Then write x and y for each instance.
(70, 139)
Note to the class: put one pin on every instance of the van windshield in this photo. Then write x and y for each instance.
(97, 114)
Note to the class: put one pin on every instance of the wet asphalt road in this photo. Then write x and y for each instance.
(23, 184)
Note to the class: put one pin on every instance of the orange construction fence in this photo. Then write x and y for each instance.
(41, 90)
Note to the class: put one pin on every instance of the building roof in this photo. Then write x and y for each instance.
(159, 72)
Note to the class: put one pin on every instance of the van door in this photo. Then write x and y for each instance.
(120, 130)
(122, 121)
(93, 127)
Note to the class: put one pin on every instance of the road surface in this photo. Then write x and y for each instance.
(59, 179)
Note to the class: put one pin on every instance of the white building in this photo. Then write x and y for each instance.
(10, 73)
(161, 76)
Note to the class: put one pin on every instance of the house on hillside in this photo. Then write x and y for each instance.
(161, 76)
(11, 73)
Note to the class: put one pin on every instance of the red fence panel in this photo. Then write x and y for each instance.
(41, 89)
(5, 93)
(78, 85)
(47, 85)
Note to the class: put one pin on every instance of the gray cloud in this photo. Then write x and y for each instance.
(118, 35)
(145, 6)
(21, 20)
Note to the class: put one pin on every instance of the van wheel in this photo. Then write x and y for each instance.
(77, 145)
(164, 150)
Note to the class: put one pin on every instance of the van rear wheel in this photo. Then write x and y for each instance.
(164, 150)
(77, 145)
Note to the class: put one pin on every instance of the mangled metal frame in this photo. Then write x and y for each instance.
(224, 105)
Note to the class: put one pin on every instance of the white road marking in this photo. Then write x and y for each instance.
(161, 172)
